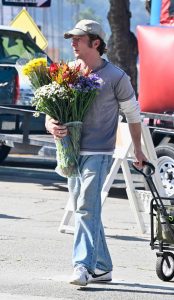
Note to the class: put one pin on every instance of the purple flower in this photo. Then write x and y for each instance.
(87, 84)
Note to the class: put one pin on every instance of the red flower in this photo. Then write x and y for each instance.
(53, 68)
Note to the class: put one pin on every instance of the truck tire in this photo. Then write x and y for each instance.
(4, 151)
(165, 154)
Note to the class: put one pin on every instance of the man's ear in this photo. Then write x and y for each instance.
(96, 43)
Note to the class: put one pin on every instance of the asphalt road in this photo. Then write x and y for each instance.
(35, 258)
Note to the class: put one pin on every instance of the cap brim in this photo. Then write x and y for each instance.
(69, 34)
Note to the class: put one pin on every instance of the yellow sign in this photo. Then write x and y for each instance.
(24, 22)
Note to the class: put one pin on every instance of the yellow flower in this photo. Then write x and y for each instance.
(33, 64)
(59, 79)
(26, 69)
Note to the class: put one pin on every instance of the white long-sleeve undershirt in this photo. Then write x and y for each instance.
(131, 110)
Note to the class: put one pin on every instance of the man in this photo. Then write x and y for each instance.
(91, 258)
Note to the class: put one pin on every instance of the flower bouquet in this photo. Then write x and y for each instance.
(65, 93)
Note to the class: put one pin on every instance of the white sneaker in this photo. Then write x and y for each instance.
(80, 276)
(100, 276)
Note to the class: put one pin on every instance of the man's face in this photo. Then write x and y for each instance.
(80, 45)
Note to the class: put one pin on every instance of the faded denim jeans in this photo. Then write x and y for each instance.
(90, 248)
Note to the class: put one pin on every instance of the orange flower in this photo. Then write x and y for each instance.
(64, 74)
(65, 67)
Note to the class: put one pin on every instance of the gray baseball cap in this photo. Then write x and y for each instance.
(84, 27)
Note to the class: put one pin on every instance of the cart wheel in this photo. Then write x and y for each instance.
(165, 266)
(165, 154)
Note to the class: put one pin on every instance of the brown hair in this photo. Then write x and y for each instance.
(102, 47)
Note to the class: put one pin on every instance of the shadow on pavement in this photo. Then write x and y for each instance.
(28, 162)
(59, 187)
(131, 288)
(2, 216)
(118, 193)
(127, 238)
(30, 177)
(48, 179)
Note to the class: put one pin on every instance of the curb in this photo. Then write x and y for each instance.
(30, 172)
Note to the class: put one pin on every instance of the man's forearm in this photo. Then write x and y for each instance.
(135, 131)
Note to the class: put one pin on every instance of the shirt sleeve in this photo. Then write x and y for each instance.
(127, 101)
(124, 90)
(131, 110)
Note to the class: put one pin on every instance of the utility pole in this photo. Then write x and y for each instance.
(45, 22)
(2, 13)
(60, 17)
(12, 12)
(52, 34)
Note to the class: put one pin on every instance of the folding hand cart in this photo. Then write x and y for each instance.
(162, 226)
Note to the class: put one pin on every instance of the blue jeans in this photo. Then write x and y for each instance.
(90, 248)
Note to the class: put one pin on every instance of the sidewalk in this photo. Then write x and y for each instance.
(35, 259)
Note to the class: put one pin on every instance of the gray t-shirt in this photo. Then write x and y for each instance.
(101, 121)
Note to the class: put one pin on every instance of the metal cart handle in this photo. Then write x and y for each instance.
(150, 169)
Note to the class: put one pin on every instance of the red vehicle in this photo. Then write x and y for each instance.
(156, 85)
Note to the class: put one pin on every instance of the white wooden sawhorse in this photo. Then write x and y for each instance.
(122, 155)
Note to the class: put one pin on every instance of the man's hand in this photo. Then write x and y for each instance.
(55, 128)
(140, 157)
